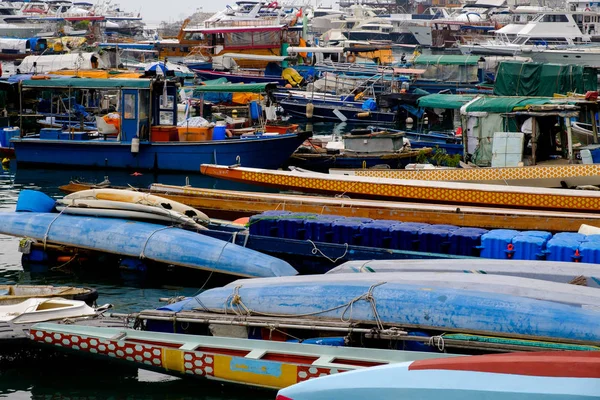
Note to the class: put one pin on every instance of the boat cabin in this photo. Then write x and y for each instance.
(135, 107)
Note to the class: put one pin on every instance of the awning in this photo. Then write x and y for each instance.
(236, 88)
(498, 104)
(86, 83)
(237, 29)
(447, 101)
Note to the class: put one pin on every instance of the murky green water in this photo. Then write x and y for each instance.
(80, 378)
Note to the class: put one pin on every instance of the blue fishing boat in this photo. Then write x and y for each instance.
(518, 376)
(147, 137)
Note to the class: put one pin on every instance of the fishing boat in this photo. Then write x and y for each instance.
(385, 301)
(575, 273)
(547, 176)
(227, 204)
(147, 138)
(413, 190)
(13, 294)
(44, 309)
(543, 376)
(258, 363)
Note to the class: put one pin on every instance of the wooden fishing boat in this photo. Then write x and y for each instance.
(322, 162)
(39, 310)
(576, 273)
(136, 239)
(549, 176)
(231, 205)
(413, 190)
(13, 294)
(540, 376)
(259, 363)
(376, 301)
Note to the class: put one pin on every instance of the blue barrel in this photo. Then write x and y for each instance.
(377, 233)
(495, 243)
(405, 236)
(347, 230)
(255, 110)
(319, 229)
(34, 201)
(466, 241)
(565, 249)
(590, 252)
(530, 245)
(265, 224)
(219, 132)
(291, 226)
(433, 239)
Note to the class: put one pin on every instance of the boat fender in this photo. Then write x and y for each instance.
(363, 114)
(351, 58)
(135, 145)
(310, 108)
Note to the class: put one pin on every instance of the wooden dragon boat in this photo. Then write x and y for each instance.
(550, 176)
(228, 204)
(259, 363)
(413, 190)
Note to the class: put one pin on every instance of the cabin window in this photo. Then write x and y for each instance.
(555, 18)
(587, 18)
(129, 106)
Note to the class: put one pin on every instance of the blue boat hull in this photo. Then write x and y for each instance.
(325, 112)
(144, 240)
(408, 305)
(163, 156)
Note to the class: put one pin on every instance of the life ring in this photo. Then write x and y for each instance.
(351, 58)
(273, 4)
(587, 9)
(91, 36)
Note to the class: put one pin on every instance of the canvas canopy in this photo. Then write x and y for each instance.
(537, 79)
(446, 101)
(61, 61)
(85, 83)
(494, 104)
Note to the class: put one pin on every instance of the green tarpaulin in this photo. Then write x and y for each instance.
(508, 104)
(88, 83)
(447, 101)
(445, 60)
(537, 79)
(236, 88)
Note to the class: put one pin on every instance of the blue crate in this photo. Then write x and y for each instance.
(495, 243)
(377, 233)
(291, 226)
(405, 236)
(319, 229)
(347, 230)
(50, 133)
(466, 241)
(265, 224)
(590, 251)
(530, 245)
(564, 249)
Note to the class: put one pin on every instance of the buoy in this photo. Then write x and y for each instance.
(351, 58)
(363, 114)
(409, 120)
(242, 221)
(288, 86)
(234, 113)
(310, 108)
(135, 145)
(6, 161)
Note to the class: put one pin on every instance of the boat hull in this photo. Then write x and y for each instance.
(164, 156)
(327, 112)
(542, 376)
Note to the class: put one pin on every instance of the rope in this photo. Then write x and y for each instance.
(142, 255)
(50, 225)
(437, 341)
(316, 251)
(235, 303)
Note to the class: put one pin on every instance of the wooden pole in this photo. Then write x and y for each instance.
(594, 126)
(533, 140)
(569, 139)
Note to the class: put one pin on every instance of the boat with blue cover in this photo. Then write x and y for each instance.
(148, 138)
(518, 376)
(377, 301)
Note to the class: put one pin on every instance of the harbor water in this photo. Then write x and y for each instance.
(75, 378)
